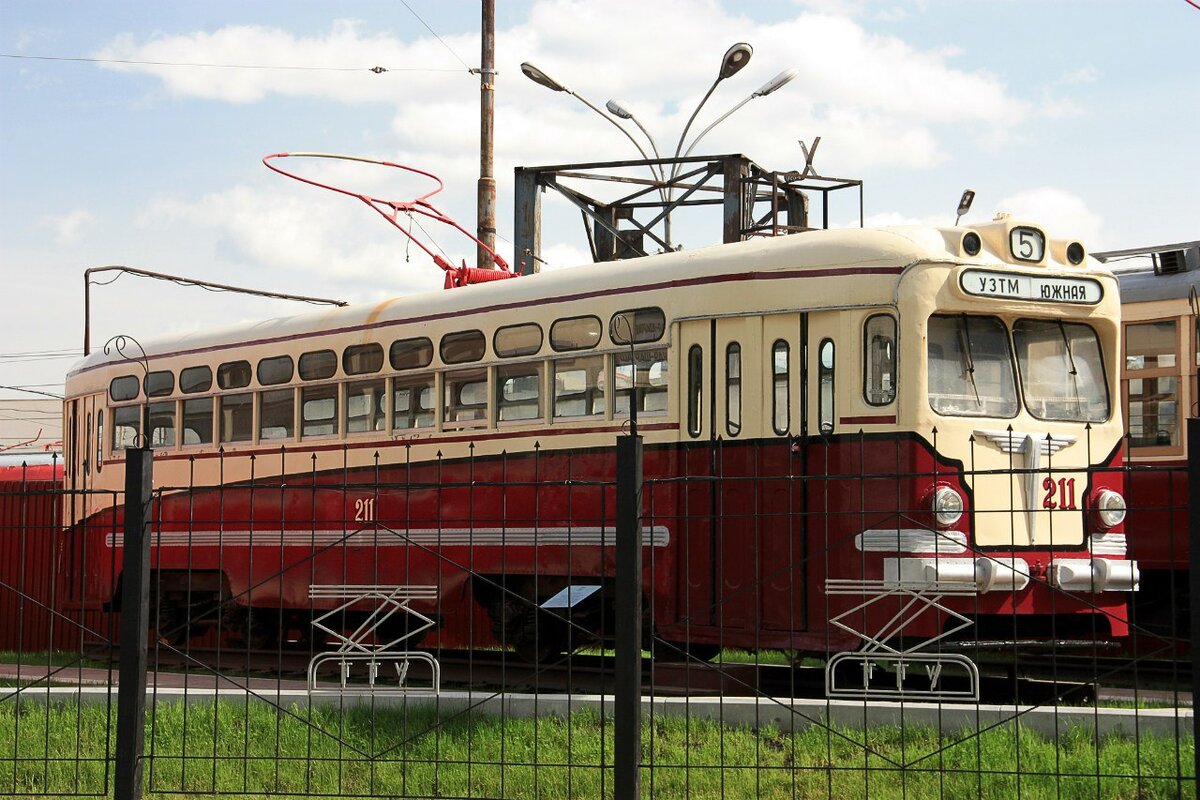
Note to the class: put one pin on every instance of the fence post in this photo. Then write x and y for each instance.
(1193, 501)
(627, 713)
(135, 621)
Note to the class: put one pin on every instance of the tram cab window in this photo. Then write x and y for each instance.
(197, 420)
(160, 383)
(318, 410)
(366, 406)
(127, 424)
(277, 414)
(579, 386)
(1150, 361)
(645, 373)
(234, 375)
(99, 440)
(637, 326)
(825, 387)
(733, 388)
(519, 392)
(1062, 373)
(879, 360)
(780, 387)
(237, 417)
(413, 401)
(161, 430)
(466, 396)
(970, 367)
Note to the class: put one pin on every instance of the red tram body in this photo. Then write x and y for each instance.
(835, 423)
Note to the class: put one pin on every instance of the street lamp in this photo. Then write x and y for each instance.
(779, 81)
(537, 76)
(732, 62)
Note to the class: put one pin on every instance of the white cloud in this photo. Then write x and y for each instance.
(69, 227)
(1063, 214)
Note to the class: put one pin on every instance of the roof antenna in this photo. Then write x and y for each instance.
(964, 204)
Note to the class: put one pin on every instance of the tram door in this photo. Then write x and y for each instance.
(743, 553)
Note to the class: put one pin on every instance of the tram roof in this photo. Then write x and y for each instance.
(844, 248)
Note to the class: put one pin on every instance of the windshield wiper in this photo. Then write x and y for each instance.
(1062, 330)
(966, 334)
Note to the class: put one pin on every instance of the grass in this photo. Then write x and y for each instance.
(196, 750)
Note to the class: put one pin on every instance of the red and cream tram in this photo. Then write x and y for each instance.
(829, 418)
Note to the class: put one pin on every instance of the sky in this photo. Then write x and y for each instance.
(1069, 113)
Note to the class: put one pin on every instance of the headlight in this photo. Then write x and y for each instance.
(1110, 508)
(947, 506)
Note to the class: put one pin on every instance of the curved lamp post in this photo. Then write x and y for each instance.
(732, 62)
(537, 76)
(779, 81)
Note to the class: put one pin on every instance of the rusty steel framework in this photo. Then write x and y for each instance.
(755, 201)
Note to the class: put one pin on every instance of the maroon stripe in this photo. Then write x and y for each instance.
(730, 278)
(878, 419)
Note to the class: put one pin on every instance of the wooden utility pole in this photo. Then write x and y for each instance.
(487, 113)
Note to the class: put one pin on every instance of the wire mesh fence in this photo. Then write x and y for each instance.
(807, 618)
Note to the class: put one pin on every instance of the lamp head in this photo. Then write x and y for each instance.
(617, 110)
(735, 58)
(537, 76)
(778, 82)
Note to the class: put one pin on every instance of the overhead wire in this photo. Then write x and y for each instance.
(204, 65)
(435, 34)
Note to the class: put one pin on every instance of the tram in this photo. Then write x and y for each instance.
(1161, 335)
(836, 423)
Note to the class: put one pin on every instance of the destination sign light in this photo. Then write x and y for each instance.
(985, 283)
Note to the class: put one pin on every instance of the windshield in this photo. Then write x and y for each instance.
(1062, 373)
(970, 367)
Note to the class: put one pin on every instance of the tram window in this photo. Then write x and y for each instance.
(318, 410)
(517, 340)
(411, 353)
(465, 397)
(414, 404)
(1153, 416)
(781, 413)
(275, 370)
(637, 326)
(1150, 345)
(733, 388)
(99, 440)
(87, 445)
(646, 376)
(318, 365)
(695, 389)
(519, 392)
(125, 387)
(198, 420)
(1062, 372)
(579, 386)
(575, 333)
(362, 359)
(277, 414)
(825, 364)
(127, 424)
(366, 406)
(195, 379)
(970, 367)
(237, 416)
(160, 383)
(879, 360)
(161, 430)
(463, 347)
(234, 375)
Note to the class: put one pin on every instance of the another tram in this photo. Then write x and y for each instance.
(1161, 325)
(830, 419)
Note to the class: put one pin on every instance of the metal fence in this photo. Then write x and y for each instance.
(700, 622)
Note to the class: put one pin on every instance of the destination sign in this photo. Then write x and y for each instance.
(984, 283)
